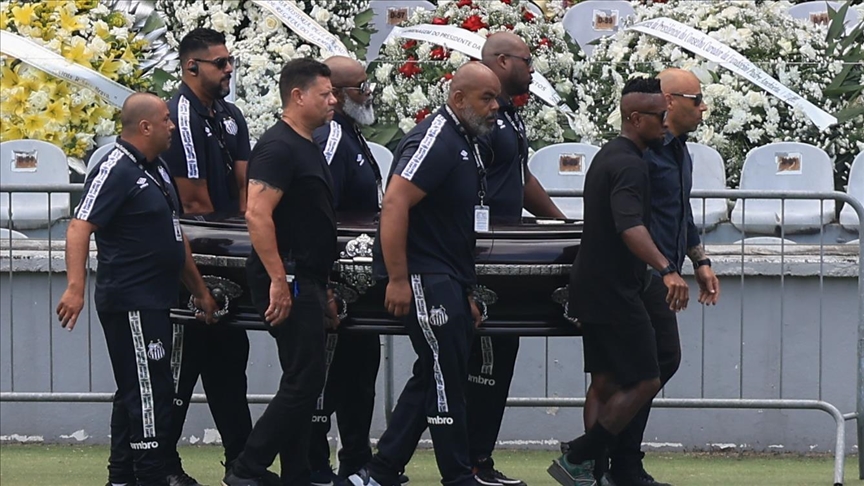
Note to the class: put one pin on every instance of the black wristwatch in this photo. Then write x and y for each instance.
(704, 261)
(669, 269)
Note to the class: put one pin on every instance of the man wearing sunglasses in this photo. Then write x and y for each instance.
(352, 361)
(208, 157)
(673, 230)
(511, 186)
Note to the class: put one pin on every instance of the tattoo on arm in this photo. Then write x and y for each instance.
(263, 186)
(696, 253)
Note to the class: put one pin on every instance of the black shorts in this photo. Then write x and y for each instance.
(627, 350)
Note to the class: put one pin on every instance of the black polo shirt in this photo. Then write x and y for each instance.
(305, 219)
(607, 278)
(505, 151)
(133, 202)
(671, 170)
(206, 147)
(355, 172)
(438, 158)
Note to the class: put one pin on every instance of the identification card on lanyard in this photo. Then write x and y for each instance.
(481, 218)
(481, 211)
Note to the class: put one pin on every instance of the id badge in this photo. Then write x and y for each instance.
(178, 235)
(481, 219)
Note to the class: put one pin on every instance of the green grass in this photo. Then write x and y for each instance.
(36, 465)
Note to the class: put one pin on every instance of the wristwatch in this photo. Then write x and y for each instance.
(669, 269)
(704, 261)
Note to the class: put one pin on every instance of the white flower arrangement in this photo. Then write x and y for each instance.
(262, 44)
(39, 106)
(416, 74)
(741, 116)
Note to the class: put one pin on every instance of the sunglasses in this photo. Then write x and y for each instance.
(365, 87)
(697, 98)
(661, 115)
(219, 62)
(527, 60)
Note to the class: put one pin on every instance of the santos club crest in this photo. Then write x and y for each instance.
(155, 351)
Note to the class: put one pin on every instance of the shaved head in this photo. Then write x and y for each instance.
(474, 90)
(344, 71)
(509, 57)
(501, 42)
(674, 80)
(138, 107)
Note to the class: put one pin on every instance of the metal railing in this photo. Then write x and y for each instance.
(787, 266)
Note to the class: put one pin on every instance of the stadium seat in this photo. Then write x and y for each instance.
(764, 241)
(709, 174)
(563, 166)
(817, 11)
(785, 166)
(5, 234)
(382, 23)
(848, 216)
(32, 162)
(593, 19)
(98, 155)
(384, 158)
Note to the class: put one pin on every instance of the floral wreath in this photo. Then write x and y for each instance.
(416, 74)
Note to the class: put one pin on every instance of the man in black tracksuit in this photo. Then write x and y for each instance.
(208, 157)
(131, 204)
(425, 247)
(351, 360)
(510, 188)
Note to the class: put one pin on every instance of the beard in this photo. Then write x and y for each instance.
(363, 114)
(476, 123)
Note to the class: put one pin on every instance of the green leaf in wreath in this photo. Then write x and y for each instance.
(364, 18)
(362, 35)
(849, 113)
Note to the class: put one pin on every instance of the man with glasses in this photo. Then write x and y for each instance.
(511, 186)
(607, 280)
(676, 236)
(208, 157)
(352, 361)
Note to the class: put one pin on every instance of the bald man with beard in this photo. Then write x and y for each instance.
(425, 250)
(606, 283)
(673, 230)
(352, 361)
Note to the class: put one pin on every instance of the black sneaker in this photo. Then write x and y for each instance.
(489, 476)
(231, 479)
(363, 478)
(181, 479)
(403, 479)
(635, 478)
(325, 477)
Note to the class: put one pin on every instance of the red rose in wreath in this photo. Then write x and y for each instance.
(474, 23)
(410, 68)
(440, 21)
(421, 115)
(439, 53)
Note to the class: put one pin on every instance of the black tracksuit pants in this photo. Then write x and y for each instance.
(626, 454)
(440, 328)
(285, 427)
(352, 361)
(490, 372)
(218, 354)
(139, 345)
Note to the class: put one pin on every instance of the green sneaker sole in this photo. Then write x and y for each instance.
(559, 473)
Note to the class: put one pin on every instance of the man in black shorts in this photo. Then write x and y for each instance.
(292, 226)
(607, 279)
(425, 246)
(673, 230)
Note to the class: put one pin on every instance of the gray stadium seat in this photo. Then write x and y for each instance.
(32, 162)
(848, 216)
(785, 166)
(383, 27)
(5, 234)
(709, 173)
(384, 158)
(764, 241)
(98, 154)
(558, 167)
(585, 21)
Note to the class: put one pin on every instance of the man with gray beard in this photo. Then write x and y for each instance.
(352, 361)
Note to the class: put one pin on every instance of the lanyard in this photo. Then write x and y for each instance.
(481, 169)
(374, 163)
(521, 139)
(161, 187)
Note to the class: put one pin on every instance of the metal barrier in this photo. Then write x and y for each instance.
(788, 263)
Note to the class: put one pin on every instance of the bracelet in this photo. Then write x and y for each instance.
(669, 269)
(704, 261)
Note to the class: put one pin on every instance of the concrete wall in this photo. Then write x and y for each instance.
(770, 337)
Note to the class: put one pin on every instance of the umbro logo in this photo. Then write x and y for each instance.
(208, 132)
(142, 182)
(360, 159)
(500, 124)
(464, 154)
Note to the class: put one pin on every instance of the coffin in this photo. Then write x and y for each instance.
(522, 268)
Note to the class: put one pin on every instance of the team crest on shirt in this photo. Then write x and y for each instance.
(155, 351)
(230, 126)
(207, 131)
(142, 182)
(164, 174)
(438, 316)
(360, 159)
(464, 155)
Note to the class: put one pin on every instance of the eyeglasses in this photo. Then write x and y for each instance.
(697, 98)
(527, 60)
(661, 115)
(219, 62)
(365, 87)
